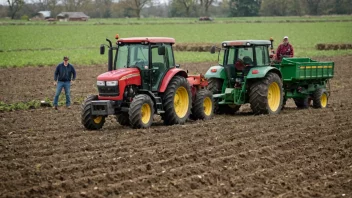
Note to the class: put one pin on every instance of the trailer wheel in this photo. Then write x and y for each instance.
(123, 119)
(203, 106)
(177, 101)
(320, 98)
(88, 120)
(141, 112)
(266, 95)
(302, 103)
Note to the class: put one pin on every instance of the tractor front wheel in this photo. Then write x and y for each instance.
(266, 95)
(203, 106)
(320, 98)
(88, 120)
(141, 112)
(177, 101)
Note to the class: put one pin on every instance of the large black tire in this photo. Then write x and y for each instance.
(123, 119)
(301, 103)
(320, 98)
(177, 101)
(203, 106)
(141, 112)
(266, 95)
(89, 121)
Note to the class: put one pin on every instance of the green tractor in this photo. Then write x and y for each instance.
(249, 75)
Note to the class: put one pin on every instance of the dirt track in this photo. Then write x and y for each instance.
(299, 153)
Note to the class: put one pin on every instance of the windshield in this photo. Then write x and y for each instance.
(129, 55)
(240, 53)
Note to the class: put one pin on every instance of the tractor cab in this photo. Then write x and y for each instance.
(152, 57)
(243, 55)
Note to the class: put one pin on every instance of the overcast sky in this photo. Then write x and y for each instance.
(5, 1)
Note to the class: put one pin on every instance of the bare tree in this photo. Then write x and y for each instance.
(15, 6)
(187, 4)
(137, 5)
(206, 4)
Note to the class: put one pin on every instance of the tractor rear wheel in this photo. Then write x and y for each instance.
(320, 98)
(266, 95)
(301, 103)
(203, 106)
(90, 121)
(177, 101)
(123, 119)
(141, 112)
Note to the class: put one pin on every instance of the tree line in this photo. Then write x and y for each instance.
(177, 8)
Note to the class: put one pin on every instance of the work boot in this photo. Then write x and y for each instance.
(68, 107)
(55, 107)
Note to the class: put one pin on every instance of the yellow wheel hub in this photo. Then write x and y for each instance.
(181, 102)
(324, 100)
(207, 104)
(274, 96)
(146, 113)
(98, 119)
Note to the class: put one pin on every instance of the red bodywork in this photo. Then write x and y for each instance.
(125, 76)
(169, 75)
(196, 82)
(131, 76)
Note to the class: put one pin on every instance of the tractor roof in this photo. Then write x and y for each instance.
(245, 42)
(147, 39)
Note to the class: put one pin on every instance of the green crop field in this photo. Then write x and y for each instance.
(43, 44)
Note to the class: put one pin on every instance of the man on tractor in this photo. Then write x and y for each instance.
(285, 49)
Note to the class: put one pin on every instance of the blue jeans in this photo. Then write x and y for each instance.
(66, 85)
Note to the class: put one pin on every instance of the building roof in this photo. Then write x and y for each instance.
(147, 39)
(45, 14)
(73, 15)
(245, 42)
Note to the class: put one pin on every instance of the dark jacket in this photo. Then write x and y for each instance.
(65, 73)
(284, 50)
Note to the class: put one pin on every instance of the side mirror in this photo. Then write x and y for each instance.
(161, 50)
(102, 49)
(212, 49)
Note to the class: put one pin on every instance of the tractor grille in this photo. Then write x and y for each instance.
(108, 90)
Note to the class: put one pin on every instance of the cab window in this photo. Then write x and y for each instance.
(262, 55)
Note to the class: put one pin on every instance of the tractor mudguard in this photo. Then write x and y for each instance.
(260, 72)
(169, 75)
(215, 72)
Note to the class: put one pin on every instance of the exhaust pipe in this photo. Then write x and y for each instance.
(109, 55)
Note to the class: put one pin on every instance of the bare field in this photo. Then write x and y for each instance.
(299, 153)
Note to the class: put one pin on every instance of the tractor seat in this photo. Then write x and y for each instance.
(247, 61)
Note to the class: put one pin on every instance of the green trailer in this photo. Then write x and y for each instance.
(306, 80)
(249, 75)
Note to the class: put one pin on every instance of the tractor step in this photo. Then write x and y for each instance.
(218, 95)
(159, 105)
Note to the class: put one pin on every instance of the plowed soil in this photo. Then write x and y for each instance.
(48, 153)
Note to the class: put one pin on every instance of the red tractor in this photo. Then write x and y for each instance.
(143, 80)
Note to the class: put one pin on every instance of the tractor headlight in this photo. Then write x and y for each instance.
(100, 83)
(111, 83)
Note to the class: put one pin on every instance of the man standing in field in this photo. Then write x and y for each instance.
(285, 49)
(64, 77)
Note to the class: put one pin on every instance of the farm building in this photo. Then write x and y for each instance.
(72, 16)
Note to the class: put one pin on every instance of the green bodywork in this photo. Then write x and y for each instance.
(301, 76)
